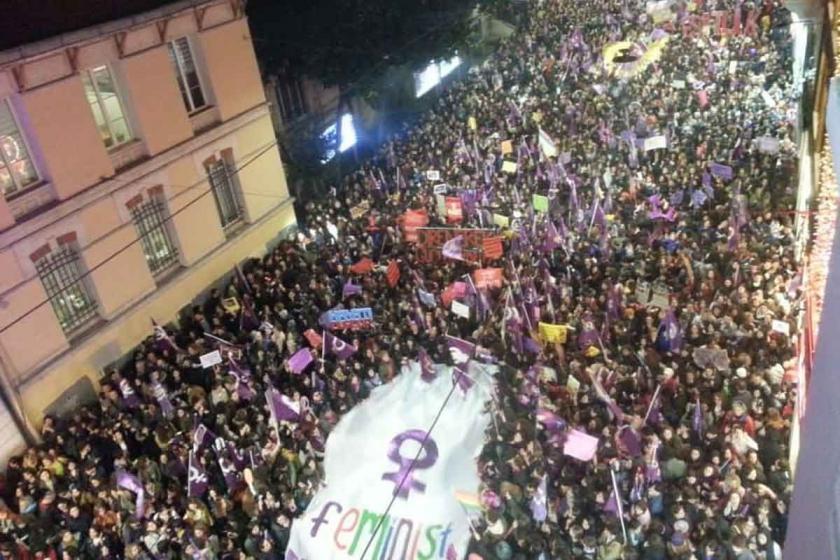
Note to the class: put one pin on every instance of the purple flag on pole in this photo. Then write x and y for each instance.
(336, 346)
(163, 342)
(243, 380)
(165, 404)
(300, 360)
(426, 298)
(201, 436)
(539, 502)
(611, 506)
(132, 483)
(454, 248)
(427, 368)
(631, 441)
(350, 289)
(282, 407)
(698, 197)
(722, 171)
(461, 350)
(461, 378)
(197, 482)
(697, 419)
(588, 334)
(671, 333)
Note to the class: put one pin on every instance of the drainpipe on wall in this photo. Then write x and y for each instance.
(10, 397)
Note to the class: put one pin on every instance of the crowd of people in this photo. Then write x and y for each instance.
(690, 392)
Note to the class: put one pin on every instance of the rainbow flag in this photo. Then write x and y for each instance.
(469, 501)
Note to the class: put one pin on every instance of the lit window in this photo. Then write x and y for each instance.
(106, 106)
(16, 168)
(61, 273)
(187, 74)
(331, 140)
(150, 220)
(224, 191)
(432, 75)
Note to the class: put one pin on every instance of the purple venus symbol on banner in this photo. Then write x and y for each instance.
(403, 479)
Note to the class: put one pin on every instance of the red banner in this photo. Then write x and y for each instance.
(454, 211)
(493, 248)
(364, 266)
(430, 242)
(488, 278)
(393, 273)
(411, 220)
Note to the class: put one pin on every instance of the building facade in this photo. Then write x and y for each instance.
(138, 165)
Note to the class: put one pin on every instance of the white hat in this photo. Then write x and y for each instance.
(741, 372)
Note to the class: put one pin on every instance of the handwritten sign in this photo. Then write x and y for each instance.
(210, 359)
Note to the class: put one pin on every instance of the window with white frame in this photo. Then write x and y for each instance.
(106, 106)
(150, 219)
(17, 171)
(61, 274)
(224, 191)
(187, 74)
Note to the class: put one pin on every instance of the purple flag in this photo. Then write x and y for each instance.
(132, 483)
(426, 298)
(720, 170)
(697, 419)
(531, 345)
(129, 396)
(552, 237)
(454, 248)
(671, 333)
(461, 378)
(201, 436)
(588, 335)
(165, 404)
(282, 407)
(698, 197)
(631, 441)
(163, 342)
(539, 502)
(336, 346)
(243, 380)
(350, 289)
(611, 506)
(197, 482)
(427, 368)
(461, 350)
(300, 360)
(550, 420)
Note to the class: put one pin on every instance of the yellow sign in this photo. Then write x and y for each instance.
(501, 220)
(627, 70)
(471, 122)
(507, 147)
(553, 333)
(509, 167)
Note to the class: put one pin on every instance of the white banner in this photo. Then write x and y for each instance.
(369, 454)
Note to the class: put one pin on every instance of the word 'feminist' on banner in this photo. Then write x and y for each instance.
(347, 319)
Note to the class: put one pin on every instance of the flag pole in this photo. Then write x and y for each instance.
(652, 401)
(619, 506)
(469, 520)
(189, 472)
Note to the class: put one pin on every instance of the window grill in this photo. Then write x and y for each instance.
(224, 191)
(61, 273)
(150, 220)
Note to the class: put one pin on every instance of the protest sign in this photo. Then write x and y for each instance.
(472, 123)
(507, 147)
(364, 466)
(509, 167)
(430, 242)
(642, 293)
(678, 84)
(660, 296)
(553, 334)
(433, 175)
(547, 145)
(454, 209)
(540, 202)
(580, 445)
(488, 278)
(442, 188)
(654, 143)
(501, 221)
(460, 309)
(359, 210)
(721, 171)
(781, 327)
(767, 144)
(411, 220)
(440, 206)
(211, 359)
(347, 319)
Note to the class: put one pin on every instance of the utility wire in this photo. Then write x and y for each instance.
(413, 462)
(140, 237)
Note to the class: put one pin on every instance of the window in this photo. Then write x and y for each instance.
(332, 141)
(16, 168)
(292, 102)
(187, 74)
(224, 191)
(150, 220)
(432, 74)
(106, 106)
(61, 274)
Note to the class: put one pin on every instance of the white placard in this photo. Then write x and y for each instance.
(211, 359)
(433, 175)
(460, 309)
(441, 188)
(767, 144)
(781, 327)
(678, 84)
(768, 99)
(655, 143)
